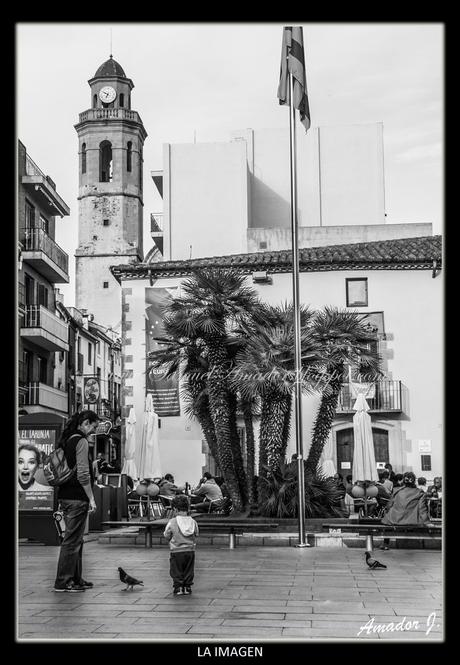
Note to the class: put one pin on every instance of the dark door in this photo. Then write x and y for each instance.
(345, 447)
(380, 437)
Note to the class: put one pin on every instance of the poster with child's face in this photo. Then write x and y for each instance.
(34, 493)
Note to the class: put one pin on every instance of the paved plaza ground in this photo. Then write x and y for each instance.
(248, 594)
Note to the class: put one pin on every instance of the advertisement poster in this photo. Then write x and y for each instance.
(165, 391)
(34, 493)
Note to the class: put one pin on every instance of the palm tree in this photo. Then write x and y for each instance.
(214, 301)
(265, 368)
(344, 339)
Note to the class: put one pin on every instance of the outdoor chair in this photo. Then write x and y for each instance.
(221, 506)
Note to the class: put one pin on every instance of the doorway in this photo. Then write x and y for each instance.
(345, 448)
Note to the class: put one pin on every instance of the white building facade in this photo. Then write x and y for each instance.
(403, 285)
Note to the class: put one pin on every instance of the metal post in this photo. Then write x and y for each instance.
(296, 303)
(231, 543)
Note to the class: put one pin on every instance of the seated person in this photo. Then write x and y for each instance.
(408, 504)
(434, 491)
(384, 478)
(338, 481)
(208, 490)
(398, 480)
(223, 487)
(421, 483)
(383, 494)
(167, 487)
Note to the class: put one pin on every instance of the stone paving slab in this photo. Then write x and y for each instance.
(258, 594)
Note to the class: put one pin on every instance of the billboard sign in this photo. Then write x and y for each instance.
(34, 493)
(165, 391)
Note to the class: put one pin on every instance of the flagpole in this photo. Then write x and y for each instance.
(297, 347)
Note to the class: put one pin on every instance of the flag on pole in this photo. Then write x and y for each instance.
(293, 62)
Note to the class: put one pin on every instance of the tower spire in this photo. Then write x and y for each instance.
(111, 43)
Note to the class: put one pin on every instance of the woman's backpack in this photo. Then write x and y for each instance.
(55, 467)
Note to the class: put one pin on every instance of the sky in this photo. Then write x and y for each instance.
(198, 82)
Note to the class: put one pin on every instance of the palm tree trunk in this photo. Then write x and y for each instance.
(286, 427)
(204, 418)
(236, 449)
(272, 426)
(250, 448)
(220, 413)
(325, 417)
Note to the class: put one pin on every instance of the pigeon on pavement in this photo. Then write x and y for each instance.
(373, 563)
(128, 580)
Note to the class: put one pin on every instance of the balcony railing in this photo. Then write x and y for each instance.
(40, 394)
(156, 222)
(109, 114)
(383, 396)
(37, 240)
(48, 329)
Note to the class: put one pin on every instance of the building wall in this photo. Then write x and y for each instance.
(321, 236)
(180, 439)
(413, 312)
(90, 274)
(206, 200)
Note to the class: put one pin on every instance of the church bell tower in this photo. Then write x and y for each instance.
(110, 218)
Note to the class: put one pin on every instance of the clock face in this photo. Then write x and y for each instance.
(107, 94)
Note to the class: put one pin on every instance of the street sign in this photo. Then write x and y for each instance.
(104, 427)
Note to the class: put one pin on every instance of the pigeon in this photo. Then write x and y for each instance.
(373, 563)
(128, 580)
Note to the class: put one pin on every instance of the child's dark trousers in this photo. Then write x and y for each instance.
(182, 568)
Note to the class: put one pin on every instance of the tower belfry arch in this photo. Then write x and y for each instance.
(111, 137)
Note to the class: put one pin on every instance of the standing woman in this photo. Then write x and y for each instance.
(76, 499)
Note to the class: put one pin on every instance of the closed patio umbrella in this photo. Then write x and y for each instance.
(364, 466)
(129, 465)
(149, 458)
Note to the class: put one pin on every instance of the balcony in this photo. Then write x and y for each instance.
(110, 115)
(384, 397)
(45, 329)
(44, 189)
(45, 256)
(156, 229)
(40, 394)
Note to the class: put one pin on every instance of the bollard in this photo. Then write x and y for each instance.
(369, 543)
(232, 541)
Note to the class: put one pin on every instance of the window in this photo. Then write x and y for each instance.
(106, 222)
(29, 284)
(90, 350)
(105, 285)
(105, 162)
(122, 99)
(94, 101)
(98, 348)
(129, 156)
(83, 158)
(356, 289)
(44, 224)
(42, 369)
(30, 215)
(426, 462)
(43, 295)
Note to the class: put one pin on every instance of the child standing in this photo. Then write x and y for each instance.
(181, 531)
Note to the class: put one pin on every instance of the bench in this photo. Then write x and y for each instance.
(375, 528)
(213, 526)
